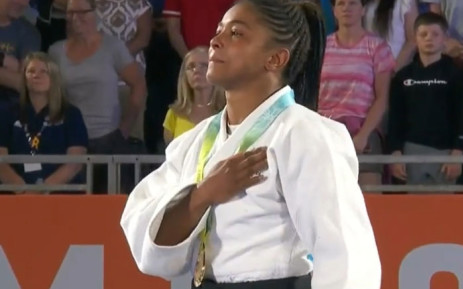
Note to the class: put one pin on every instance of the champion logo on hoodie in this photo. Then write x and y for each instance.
(412, 82)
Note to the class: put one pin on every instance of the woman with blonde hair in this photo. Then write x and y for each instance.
(197, 99)
(44, 123)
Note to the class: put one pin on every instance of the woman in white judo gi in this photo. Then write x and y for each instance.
(245, 196)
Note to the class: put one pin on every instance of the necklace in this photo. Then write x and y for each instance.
(211, 98)
(203, 105)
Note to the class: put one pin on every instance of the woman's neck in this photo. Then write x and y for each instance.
(243, 101)
(87, 39)
(202, 97)
(350, 35)
(39, 101)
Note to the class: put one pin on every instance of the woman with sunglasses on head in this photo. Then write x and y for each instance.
(246, 195)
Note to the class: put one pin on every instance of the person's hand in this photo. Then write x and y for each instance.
(124, 132)
(360, 143)
(11, 63)
(452, 171)
(234, 175)
(398, 170)
(453, 48)
(17, 180)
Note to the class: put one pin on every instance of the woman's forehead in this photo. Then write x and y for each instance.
(242, 13)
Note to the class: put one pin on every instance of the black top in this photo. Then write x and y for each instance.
(426, 106)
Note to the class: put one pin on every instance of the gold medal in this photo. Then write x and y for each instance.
(200, 268)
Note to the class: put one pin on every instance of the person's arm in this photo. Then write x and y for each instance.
(453, 47)
(453, 170)
(10, 78)
(133, 77)
(228, 178)
(169, 126)
(131, 73)
(397, 116)
(66, 172)
(168, 136)
(376, 113)
(326, 205)
(397, 121)
(76, 142)
(173, 14)
(7, 174)
(10, 62)
(409, 47)
(142, 37)
(435, 7)
(147, 205)
(10, 75)
(174, 31)
(457, 110)
(384, 64)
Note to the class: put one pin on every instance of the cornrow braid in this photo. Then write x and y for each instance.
(297, 25)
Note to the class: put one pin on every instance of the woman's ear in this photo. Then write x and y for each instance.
(278, 60)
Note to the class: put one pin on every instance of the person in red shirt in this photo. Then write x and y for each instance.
(193, 23)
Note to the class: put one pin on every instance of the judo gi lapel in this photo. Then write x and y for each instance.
(226, 146)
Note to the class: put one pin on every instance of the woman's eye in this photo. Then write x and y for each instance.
(235, 33)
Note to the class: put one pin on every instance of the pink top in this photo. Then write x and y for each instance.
(348, 75)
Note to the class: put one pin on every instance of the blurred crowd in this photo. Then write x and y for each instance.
(128, 76)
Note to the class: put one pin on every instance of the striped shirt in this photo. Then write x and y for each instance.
(348, 75)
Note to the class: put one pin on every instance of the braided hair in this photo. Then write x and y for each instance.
(297, 25)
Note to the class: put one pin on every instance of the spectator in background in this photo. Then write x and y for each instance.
(162, 71)
(44, 124)
(453, 11)
(354, 84)
(130, 21)
(393, 20)
(193, 23)
(92, 63)
(328, 17)
(197, 99)
(17, 38)
(51, 21)
(426, 108)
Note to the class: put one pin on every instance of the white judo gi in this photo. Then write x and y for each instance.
(310, 203)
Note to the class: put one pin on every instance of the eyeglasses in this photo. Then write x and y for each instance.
(196, 66)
